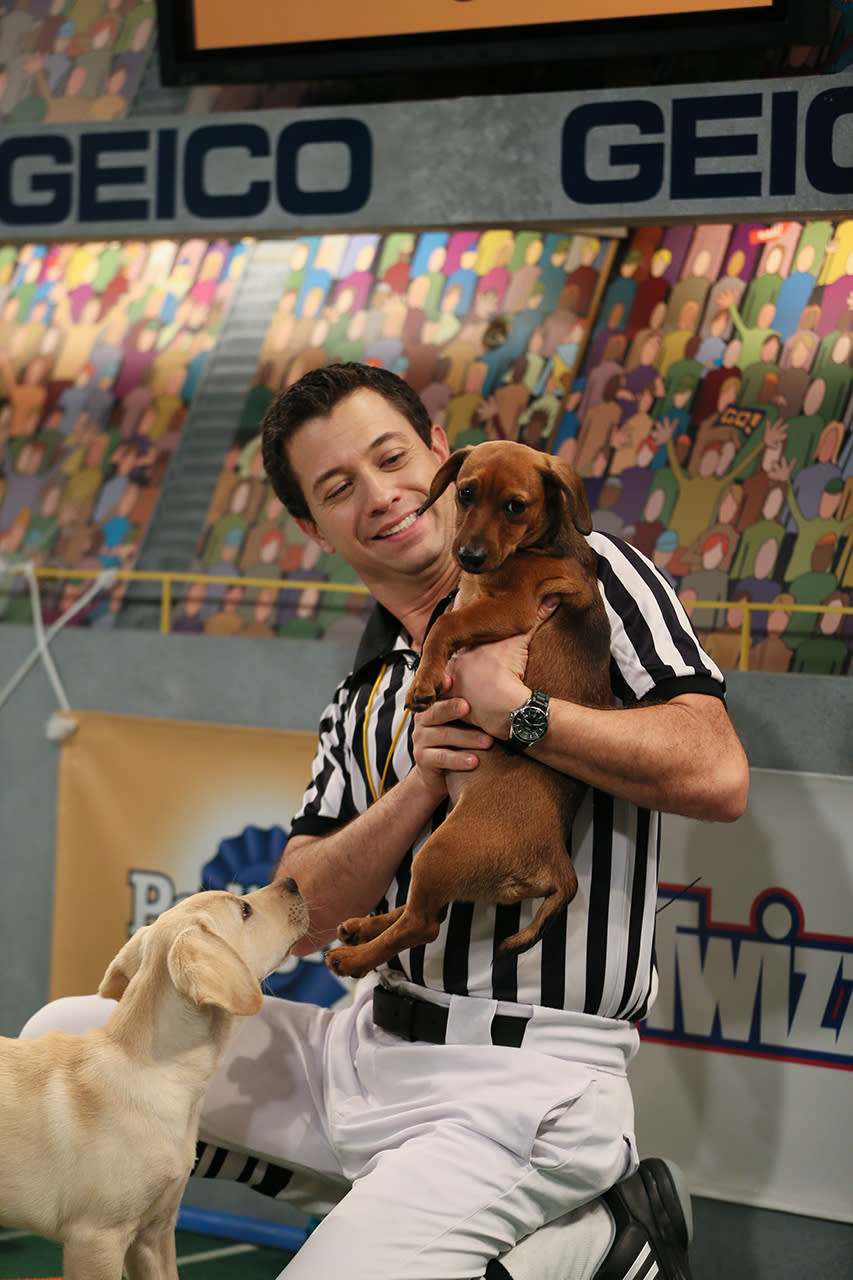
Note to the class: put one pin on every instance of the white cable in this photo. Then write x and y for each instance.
(104, 581)
(41, 644)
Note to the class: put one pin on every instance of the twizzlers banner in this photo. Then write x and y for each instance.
(744, 1075)
(149, 811)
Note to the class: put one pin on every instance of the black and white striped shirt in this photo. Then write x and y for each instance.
(598, 958)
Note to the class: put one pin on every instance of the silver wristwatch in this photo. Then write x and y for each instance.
(529, 723)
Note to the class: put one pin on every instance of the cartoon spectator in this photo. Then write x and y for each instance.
(263, 616)
(526, 271)
(811, 481)
(725, 523)
(752, 337)
(824, 652)
(268, 556)
(813, 587)
(619, 292)
(598, 425)
(763, 290)
(189, 617)
(836, 302)
(120, 531)
(692, 288)
(754, 385)
(710, 582)
(579, 287)
(436, 394)
(835, 370)
(230, 527)
(226, 621)
(811, 532)
(757, 534)
(43, 528)
(605, 517)
(97, 58)
(795, 377)
(112, 103)
(564, 442)
(771, 653)
(724, 643)
(796, 290)
(27, 395)
(628, 436)
(657, 511)
(699, 495)
(766, 474)
(649, 293)
(28, 469)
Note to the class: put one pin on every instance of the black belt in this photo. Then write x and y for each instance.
(414, 1019)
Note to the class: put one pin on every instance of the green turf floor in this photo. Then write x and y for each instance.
(26, 1257)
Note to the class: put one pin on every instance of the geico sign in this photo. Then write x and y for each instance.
(213, 172)
(711, 147)
(764, 147)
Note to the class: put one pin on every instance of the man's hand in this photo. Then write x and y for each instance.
(442, 745)
(490, 677)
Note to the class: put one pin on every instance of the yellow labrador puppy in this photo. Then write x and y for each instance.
(98, 1131)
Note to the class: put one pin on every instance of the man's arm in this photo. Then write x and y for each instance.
(681, 756)
(347, 872)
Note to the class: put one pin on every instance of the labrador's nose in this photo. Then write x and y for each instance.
(472, 559)
(289, 885)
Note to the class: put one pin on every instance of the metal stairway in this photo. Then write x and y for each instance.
(173, 532)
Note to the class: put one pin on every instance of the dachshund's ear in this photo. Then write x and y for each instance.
(573, 488)
(447, 472)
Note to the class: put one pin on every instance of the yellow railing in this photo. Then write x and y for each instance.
(749, 607)
(167, 581)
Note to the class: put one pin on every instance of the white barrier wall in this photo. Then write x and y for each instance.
(744, 1073)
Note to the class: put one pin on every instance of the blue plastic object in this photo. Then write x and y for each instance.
(233, 1226)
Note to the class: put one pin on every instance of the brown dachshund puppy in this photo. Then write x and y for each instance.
(521, 517)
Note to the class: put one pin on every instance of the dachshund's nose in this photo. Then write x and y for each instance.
(472, 559)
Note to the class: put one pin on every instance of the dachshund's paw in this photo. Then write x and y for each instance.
(419, 701)
(345, 963)
(349, 931)
(422, 694)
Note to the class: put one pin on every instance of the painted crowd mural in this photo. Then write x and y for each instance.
(485, 325)
(102, 346)
(712, 427)
(699, 378)
(72, 60)
(706, 403)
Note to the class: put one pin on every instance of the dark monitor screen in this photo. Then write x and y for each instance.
(259, 41)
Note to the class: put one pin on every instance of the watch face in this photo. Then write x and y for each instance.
(529, 724)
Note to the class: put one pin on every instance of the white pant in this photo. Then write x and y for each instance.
(453, 1153)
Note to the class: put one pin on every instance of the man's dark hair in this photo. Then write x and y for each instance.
(315, 395)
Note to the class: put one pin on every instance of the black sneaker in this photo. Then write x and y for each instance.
(654, 1225)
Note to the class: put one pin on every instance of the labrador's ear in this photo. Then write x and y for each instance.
(573, 489)
(124, 966)
(447, 472)
(209, 971)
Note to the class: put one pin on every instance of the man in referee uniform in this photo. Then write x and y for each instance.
(469, 1113)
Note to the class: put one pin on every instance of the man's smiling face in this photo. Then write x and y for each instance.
(365, 472)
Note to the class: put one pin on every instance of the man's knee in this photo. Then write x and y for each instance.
(72, 1013)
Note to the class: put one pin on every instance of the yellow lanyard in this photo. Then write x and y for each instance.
(364, 739)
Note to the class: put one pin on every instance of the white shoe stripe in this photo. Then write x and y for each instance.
(639, 1265)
